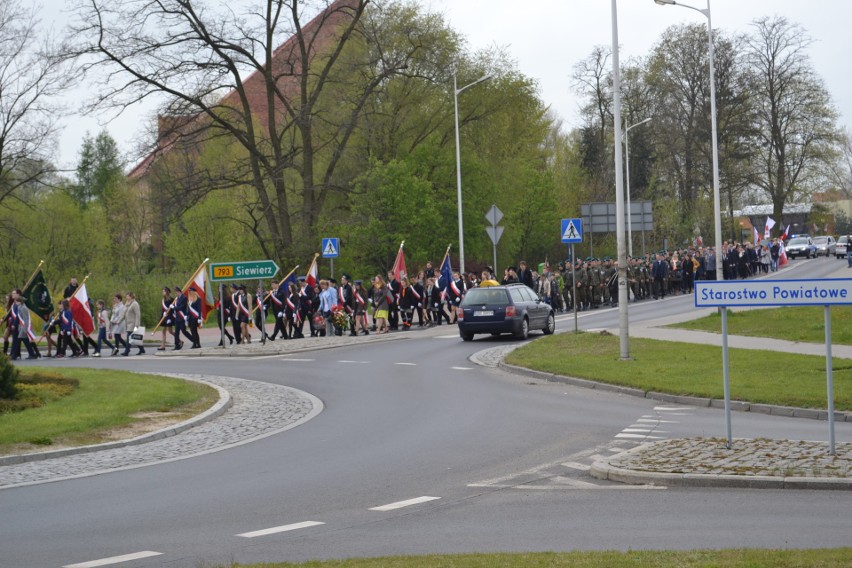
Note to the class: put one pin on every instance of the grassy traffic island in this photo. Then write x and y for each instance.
(47, 409)
(685, 369)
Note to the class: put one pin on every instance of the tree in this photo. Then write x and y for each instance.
(795, 118)
(30, 78)
(99, 169)
(292, 106)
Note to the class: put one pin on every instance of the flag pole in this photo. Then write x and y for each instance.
(188, 282)
(396, 260)
(268, 294)
(30, 281)
(83, 283)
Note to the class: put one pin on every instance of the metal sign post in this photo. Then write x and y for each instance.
(331, 249)
(574, 285)
(826, 292)
(222, 313)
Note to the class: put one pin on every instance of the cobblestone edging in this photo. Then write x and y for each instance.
(257, 410)
(751, 463)
(699, 402)
(221, 405)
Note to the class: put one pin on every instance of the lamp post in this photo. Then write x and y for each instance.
(623, 336)
(627, 167)
(456, 93)
(717, 208)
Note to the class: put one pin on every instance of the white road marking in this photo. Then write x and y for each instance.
(407, 364)
(577, 465)
(401, 504)
(638, 437)
(658, 421)
(359, 362)
(115, 559)
(454, 336)
(462, 368)
(300, 360)
(281, 529)
(672, 408)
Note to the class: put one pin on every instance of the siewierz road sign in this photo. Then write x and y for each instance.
(330, 248)
(250, 270)
(730, 293)
(572, 231)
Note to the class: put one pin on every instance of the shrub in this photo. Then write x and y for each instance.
(8, 379)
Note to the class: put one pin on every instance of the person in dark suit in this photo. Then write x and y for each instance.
(525, 274)
(660, 273)
(179, 311)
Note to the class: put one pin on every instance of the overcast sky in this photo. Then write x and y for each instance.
(547, 37)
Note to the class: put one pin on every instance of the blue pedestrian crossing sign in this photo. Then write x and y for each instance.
(572, 231)
(330, 248)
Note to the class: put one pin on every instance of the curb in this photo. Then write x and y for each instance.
(603, 470)
(223, 404)
(219, 352)
(740, 406)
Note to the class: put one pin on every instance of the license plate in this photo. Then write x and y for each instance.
(482, 313)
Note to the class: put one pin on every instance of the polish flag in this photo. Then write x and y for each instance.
(79, 304)
(786, 233)
(201, 286)
(756, 236)
(311, 276)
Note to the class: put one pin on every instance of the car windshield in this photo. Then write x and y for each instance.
(820, 240)
(799, 241)
(486, 297)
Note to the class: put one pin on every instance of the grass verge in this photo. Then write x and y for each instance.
(106, 405)
(687, 369)
(804, 324)
(734, 558)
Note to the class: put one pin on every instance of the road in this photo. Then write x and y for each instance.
(492, 462)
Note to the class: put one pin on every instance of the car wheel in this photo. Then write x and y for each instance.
(466, 336)
(550, 326)
(525, 329)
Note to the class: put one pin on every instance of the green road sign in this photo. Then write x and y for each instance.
(251, 270)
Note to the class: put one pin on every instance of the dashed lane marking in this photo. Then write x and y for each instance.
(462, 368)
(407, 364)
(657, 421)
(115, 559)
(281, 529)
(638, 436)
(406, 503)
(454, 336)
(357, 362)
(673, 408)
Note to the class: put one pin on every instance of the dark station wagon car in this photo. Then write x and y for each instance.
(513, 308)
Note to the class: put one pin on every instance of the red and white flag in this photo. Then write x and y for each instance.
(756, 235)
(79, 304)
(311, 276)
(786, 233)
(201, 286)
(399, 269)
(770, 222)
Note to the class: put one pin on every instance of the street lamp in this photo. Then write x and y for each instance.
(623, 334)
(627, 167)
(717, 212)
(717, 208)
(456, 93)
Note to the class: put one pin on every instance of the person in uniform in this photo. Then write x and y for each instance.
(235, 313)
(568, 289)
(66, 330)
(594, 286)
(293, 313)
(306, 298)
(21, 329)
(407, 303)
(419, 291)
(393, 310)
(347, 301)
(166, 316)
(195, 318)
(244, 313)
(276, 303)
(179, 312)
(224, 316)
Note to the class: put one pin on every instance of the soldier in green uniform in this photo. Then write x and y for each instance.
(594, 286)
(607, 272)
(568, 289)
(582, 286)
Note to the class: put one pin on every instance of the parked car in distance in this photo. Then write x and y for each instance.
(513, 308)
(800, 246)
(840, 249)
(825, 245)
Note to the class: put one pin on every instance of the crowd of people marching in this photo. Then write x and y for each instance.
(324, 307)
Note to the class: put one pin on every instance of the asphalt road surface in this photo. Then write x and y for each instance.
(419, 450)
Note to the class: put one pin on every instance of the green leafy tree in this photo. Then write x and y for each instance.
(99, 169)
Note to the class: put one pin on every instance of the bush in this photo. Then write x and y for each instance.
(8, 379)
(38, 389)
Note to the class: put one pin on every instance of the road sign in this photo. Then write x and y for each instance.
(330, 248)
(250, 270)
(494, 233)
(731, 293)
(572, 231)
(494, 215)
